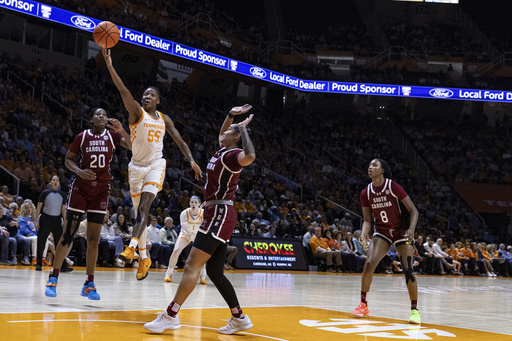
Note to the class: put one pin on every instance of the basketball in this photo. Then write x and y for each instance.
(106, 34)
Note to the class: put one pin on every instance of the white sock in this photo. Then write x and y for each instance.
(133, 243)
(142, 244)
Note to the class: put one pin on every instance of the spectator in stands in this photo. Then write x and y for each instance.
(445, 259)
(7, 198)
(23, 172)
(271, 232)
(348, 258)
(454, 254)
(9, 229)
(122, 229)
(28, 230)
(4, 246)
(483, 263)
(108, 241)
(321, 250)
(168, 233)
(158, 251)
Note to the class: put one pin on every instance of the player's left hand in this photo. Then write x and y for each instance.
(409, 236)
(115, 124)
(197, 170)
(240, 110)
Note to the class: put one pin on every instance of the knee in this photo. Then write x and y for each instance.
(214, 272)
(93, 240)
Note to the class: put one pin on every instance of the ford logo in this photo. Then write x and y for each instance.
(82, 22)
(258, 72)
(441, 93)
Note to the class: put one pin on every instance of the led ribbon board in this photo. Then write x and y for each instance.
(269, 253)
(85, 23)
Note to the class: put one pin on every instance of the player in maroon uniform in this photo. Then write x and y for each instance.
(89, 193)
(382, 198)
(220, 217)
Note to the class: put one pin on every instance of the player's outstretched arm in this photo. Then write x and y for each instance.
(133, 108)
(176, 136)
(117, 126)
(229, 119)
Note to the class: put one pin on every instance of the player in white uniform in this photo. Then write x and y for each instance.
(190, 220)
(147, 167)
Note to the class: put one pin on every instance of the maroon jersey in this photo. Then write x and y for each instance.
(384, 202)
(222, 175)
(96, 151)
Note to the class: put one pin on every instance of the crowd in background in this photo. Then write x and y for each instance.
(301, 180)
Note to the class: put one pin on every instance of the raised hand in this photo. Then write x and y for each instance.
(245, 122)
(115, 124)
(240, 110)
(106, 56)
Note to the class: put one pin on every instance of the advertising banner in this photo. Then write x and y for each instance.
(485, 197)
(269, 253)
(78, 21)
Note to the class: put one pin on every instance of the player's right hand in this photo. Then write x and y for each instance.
(106, 56)
(364, 240)
(87, 174)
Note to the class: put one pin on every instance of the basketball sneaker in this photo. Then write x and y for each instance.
(236, 325)
(415, 317)
(361, 310)
(168, 279)
(142, 271)
(128, 254)
(89, 291)
(202, 280)
(163, 322)
(51, 287)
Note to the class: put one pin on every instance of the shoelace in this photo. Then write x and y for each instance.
(160, 317)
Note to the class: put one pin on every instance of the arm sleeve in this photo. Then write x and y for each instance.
(42, 196)
(116, 137)
(363, 198)
(75, 146)
(398, 191)
(230, 160)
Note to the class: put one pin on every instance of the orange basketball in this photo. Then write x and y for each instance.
(106, 34)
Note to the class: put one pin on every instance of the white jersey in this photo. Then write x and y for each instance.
(190, 224)
(147, 136)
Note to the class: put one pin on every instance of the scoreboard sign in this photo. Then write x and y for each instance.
(269, 253)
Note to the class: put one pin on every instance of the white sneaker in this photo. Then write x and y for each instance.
(69, 261)
(236, 325)
(163, 322)
(135, 265)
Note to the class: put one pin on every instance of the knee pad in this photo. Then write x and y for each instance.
(407, 269)
(95, 217)
(73, 222)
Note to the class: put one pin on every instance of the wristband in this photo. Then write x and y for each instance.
(230, 115)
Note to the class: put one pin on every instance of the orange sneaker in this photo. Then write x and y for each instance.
(128, 254)
(361, 310)
(46, 263)
(34, 261)
(142, 271)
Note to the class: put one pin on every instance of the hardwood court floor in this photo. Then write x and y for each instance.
(282, 306)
